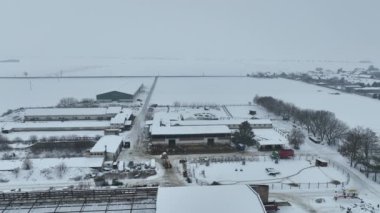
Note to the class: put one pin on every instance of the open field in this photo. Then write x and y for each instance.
(136, 66)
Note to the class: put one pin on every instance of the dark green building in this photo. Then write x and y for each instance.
(114, 96)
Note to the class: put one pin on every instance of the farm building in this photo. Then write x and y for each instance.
(121, 121)
(121, 94)
(205, 199)
(368, 90)
(108, 146)
(183, 135)
(269, 139)
(351, 88)
(55, 126)
(65, 114)
(231, 123)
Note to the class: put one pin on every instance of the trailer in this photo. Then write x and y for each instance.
(320, 162)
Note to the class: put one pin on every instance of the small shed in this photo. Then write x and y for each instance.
(321, 163)
(108, 146)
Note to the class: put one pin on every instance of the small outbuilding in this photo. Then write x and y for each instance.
(269, 139)
(321, 163)
(108, 146)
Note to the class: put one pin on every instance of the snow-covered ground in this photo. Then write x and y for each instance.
(297, 171)
(44, 172)
(241, 112)
(352, 109)
(135, 66)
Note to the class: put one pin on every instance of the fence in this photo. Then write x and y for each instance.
(274, 183)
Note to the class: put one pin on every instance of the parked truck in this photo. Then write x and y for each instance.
(286, 153)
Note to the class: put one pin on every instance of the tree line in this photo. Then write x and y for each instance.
(320, 123)
(358, 144)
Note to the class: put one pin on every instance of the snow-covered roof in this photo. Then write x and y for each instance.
(352, 86)
(113, 110)
(120, 118)
(269, 137)
(189, 130)
(221, 122)
(368, 88)
(56, 124)
(206, 199)
(41, 134)
(111, 141)
(64, 111)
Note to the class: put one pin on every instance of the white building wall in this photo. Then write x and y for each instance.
(193, 141)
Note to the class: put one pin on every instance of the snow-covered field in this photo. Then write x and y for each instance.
(44, 172)
(136, 66)
(241, 112)
(18, 93)
(352, 109)
(298, 171)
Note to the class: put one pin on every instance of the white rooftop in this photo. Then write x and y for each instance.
(113, 110)
(189, 130)
(220, 122)
(120, 118)
(368, 88)
(209, 199)
(64, 111)
(269, 137)
(56, 124)
(111, 141)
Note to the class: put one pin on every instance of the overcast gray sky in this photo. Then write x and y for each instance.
(267, 29)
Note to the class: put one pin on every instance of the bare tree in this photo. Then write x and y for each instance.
(61, 169)
(67, 102)
(368, 144)
(375, 166)
(33, 139)
(88, 102)
(177, 104)
(3, 139)
(27, 164)
(335, 130)
(305, 118)
(352, 145)
(296, 138)
(319, 122)
(16, 172)
(4, 143)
